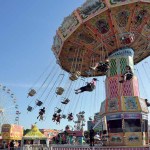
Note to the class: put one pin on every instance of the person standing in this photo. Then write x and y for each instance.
(12, 145)
(92, 133)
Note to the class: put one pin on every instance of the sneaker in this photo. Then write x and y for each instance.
(76, 92)
(92, 68)
(121, 81)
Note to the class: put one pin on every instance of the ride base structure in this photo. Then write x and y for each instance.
(124, 113)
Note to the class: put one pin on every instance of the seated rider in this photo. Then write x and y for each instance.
(58, 118)
(101, 66)
(147, 102)
(70, 117)
(89, 87)
(41, 113)
(54, 117)
(127, 75)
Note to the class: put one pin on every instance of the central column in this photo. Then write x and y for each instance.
(118, 62)
(123, 112)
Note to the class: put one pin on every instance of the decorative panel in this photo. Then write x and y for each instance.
(127, 88)
(113, 88)
(117, 2)
(123, 64)
(68, 25)
(113, 105)
(90, 7)
(135, 85)
(113, 68)
(130, 104)
(57, 44)
(133, 138)
(116, 138)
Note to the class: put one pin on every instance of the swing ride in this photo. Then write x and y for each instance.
(99, 30)
(117, 30)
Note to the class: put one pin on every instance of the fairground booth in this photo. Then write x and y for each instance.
(34, 137)
(11, 132)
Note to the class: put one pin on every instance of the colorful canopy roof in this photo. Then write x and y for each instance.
(99, 28)
(34, 133)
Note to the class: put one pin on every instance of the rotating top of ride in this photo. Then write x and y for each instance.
(99, 28)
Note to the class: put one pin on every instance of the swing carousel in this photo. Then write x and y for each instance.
(118, 30)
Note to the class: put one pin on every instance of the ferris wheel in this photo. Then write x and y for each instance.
(9, 112)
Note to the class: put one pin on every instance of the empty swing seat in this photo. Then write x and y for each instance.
(59, 91)
(66, 101)
(63, 116)
(30, 108)
(39, 103)
(32, 92)
(77, 121)
(75, 76)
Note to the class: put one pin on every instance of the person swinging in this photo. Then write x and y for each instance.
(101, 66)
(41, 113)
(89, 87)
(58, 119)
(70, 117)
(127, 75)
(54, 117)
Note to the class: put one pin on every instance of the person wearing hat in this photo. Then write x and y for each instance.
(89, 87)
(101, 66)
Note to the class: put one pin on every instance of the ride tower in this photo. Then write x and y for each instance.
(124, 113)
(119, 30)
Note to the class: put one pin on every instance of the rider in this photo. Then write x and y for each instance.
(89, 87)
(41, 113)
(101, 66)
(127, 75)
(54, 117)
(70, 117)
(58, 118)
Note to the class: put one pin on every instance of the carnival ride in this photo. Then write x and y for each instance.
(99, 29)
(9, 110)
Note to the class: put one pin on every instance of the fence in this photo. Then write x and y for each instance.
(75, 147)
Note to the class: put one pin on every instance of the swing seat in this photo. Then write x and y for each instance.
(17, 112)
(59, 91)
(41, 117)
(70, 118)
(75, 76)
(30, 108)
(17, 118)
(32, 92)
(39, 103)
(63, 116)
(77, 121)
(59, 110)
(102, 68)
(66, 101)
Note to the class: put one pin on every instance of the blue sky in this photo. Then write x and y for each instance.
(27, 29)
